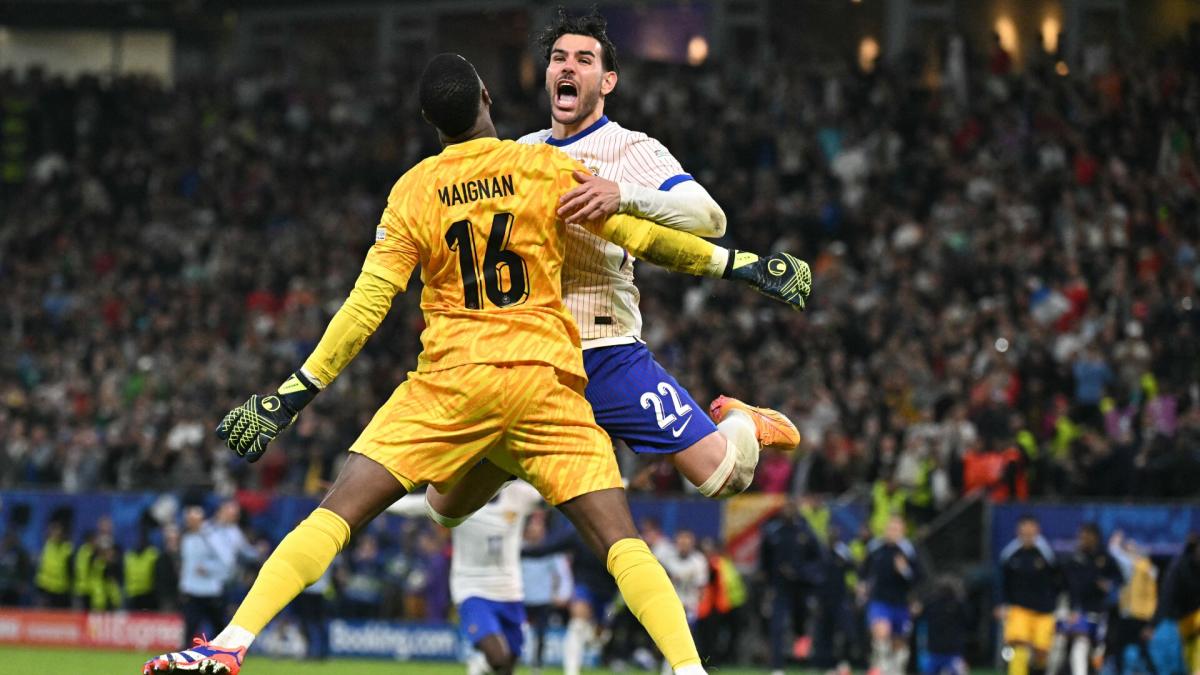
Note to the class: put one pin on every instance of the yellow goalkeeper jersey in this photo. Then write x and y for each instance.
(479, 218)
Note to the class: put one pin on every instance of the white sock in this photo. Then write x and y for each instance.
(1079, 656)
(899, 660)
(233, 637)
(881, 650)
(743, 450)
(1054, 659)
(477, 664)
(694, 669)
(573, 641)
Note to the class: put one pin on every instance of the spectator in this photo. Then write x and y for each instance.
(688, 568)
(167, 569)
(1091, 575)
(205, 568)
(548, 586)
(140, 570)
(890, 574)
(947, 620)
(975, 254)
(88, 567)
(53, 578)
(1180, 601)
(361, 579)
(1137, 603)
(312, 607)
(791, 560)
(836, 633)
(721, 606)
(15, 570)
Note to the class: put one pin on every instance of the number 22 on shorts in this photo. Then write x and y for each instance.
(652, 400)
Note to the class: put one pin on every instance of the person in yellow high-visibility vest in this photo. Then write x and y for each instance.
(81, 587)
(887, 500)
(140, 565)
(105, 582)
(816, 512)
(53, 578)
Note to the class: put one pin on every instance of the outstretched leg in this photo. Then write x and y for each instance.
(363, 489)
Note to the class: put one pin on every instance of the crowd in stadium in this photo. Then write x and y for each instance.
(1005, 296)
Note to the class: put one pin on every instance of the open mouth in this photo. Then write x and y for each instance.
(566, 94)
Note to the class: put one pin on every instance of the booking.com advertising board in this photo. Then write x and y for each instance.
(1161, 528)
(398, 641)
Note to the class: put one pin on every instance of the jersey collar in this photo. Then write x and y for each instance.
(473, 145)
(559, 142)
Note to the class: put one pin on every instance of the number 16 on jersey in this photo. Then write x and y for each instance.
(505, 276)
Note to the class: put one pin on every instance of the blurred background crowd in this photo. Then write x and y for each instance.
(1006, 269)
(1005, 305)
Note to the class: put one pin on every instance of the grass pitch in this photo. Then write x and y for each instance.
(43, 661)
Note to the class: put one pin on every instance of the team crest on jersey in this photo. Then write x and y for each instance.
(510, 517)
(594, 170)
(380, 234)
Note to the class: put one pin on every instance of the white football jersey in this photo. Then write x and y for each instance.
(689, 576)
(597, 275)
(487, 547)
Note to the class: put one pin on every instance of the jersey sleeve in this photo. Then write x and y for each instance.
(351, 326)
(647, 162)
(394, 254)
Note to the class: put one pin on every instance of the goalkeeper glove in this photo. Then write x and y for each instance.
(781, 276)
(248, 428)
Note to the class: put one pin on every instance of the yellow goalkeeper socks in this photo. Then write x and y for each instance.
(299, 560)
(651, 597)
(1191, 654)
(1019, 664)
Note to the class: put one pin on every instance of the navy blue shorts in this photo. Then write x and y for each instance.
(596, 601)
(897, 617)
(636, 400)
(943, 664)
(1092, 625)
(479, 618)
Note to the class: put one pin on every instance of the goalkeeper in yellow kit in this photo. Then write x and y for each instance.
(501, 376)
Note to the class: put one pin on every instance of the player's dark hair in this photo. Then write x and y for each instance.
(1092, 529)
(450, 94)
(592, 25)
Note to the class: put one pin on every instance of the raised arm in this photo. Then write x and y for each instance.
(249, 428)
(780, 276)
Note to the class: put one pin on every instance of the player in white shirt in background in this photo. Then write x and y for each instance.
(548, 586)
(688, 569)
(485, 574)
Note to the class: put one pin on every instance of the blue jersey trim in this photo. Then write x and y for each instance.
(675, 180)
(559, 142)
